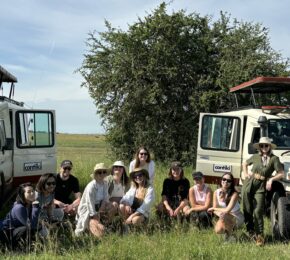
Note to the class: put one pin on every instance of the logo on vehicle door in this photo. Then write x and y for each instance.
(32, 166)
(222, 168)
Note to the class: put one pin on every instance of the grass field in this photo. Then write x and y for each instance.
(155, 241)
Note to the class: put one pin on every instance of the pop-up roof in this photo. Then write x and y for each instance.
(263, 85)
(5, 76)
(263, 92)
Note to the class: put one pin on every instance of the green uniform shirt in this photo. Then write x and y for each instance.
(274, 164)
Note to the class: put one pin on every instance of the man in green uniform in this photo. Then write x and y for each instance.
(256, 182)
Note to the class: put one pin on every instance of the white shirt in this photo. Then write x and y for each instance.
(150, 167)
(118, 190)
(144, 209)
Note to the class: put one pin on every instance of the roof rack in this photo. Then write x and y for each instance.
(7, 77)
(263, 86)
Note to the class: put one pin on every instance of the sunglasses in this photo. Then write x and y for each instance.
(52, 183)
(227, 180)
(139, 175)
(143, 154)
(118, 167)
(66, 168)
(263, 145)
(101, 172)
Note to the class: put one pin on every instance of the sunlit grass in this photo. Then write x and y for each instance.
(153, 241)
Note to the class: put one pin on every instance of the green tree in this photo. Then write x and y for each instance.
(151, 82)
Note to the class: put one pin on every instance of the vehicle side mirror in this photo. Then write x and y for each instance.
(9, 144)
(251, 148)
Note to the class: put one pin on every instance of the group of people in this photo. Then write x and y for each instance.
(112, 193)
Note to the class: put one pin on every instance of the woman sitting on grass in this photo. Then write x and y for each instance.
(174, 193)
(118, 184)
(45, 196)
(19, 228)
(227, 207)
(200, 199)
(94, 209)
(136, 203)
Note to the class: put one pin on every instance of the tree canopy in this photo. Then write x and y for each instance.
(151, 81)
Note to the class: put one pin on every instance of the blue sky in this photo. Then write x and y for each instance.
(43, 43)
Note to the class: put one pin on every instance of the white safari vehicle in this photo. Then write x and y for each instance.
(226, 139)
(27, 140)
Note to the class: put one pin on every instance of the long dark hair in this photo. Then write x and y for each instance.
(170, 173)
(20, 198)
(231, 190)
(137, 163)
(40, 186)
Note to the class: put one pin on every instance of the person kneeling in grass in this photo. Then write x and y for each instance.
(200, 199)
(227, 207)
(136, 203)
(94, 207)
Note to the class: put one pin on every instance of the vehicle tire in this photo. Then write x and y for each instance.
(2, 186)
(274, 216)
(280, 215)
(283, 208)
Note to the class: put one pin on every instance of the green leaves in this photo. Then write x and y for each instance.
(151, 82)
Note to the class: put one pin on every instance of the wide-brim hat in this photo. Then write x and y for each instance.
(100, 166)
(265, 140)
(143, 171)
(118, 163)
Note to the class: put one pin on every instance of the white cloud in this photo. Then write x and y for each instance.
(43, 43)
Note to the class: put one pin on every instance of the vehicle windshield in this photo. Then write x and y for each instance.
(278, 131)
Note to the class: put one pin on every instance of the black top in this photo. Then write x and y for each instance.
(64, 189)
(172, 188)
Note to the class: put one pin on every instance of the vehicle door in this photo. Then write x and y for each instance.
(220, 145)
(35, 144)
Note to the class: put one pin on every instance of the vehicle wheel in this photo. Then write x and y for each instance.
(280, 215)
(283, 209)
(274, 216)
(2, 186)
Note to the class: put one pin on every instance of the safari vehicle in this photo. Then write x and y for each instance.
(226, 139)
(27, 140)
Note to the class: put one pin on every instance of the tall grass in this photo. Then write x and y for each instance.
(153, 241)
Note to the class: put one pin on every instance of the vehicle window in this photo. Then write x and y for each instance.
(2, 133)
(220, 133)
(34, 129)
(279, 132)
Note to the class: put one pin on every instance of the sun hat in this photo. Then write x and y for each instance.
(66, 163)
(197, 175)
(118, 163)
(143, 171)
(265, 140)
(99, 166)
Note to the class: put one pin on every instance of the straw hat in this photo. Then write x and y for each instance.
(99, 166)
(265, 140)
(143, 171)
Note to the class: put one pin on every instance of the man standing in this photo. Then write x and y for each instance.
(66, 184)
